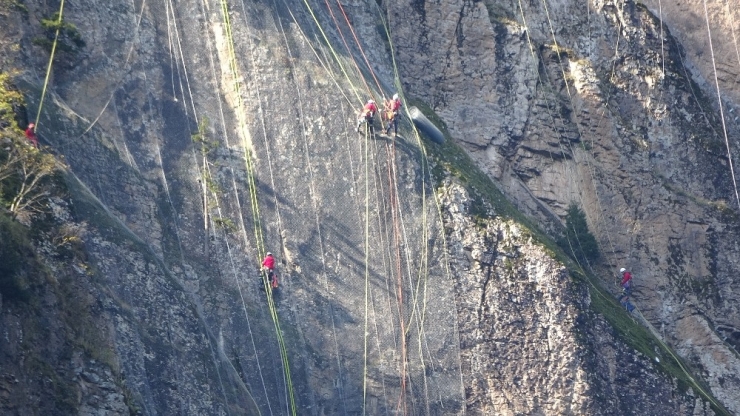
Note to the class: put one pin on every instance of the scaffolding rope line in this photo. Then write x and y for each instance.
(423, 266)
(314, 199)
(259, 238)
(49, 66)
(237, 279)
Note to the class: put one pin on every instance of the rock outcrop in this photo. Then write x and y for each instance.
(598, 104)
(529, 341)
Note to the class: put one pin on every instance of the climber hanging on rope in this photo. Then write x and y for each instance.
(392, 107)
(268, 270)
(366, 116)
(626, 281)
(31, 135)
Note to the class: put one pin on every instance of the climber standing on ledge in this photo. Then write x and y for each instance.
(366, 116)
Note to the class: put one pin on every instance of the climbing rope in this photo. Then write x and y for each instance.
(367, 264)
(313, 195)
(49, 66)
(349, 51)
(367, 199)
(367, 296)
(419, 315)
(359, 45)
(331, 49)
(593, 285)
(124, 71)
(257, 227)
(577, 123)
(719, 103)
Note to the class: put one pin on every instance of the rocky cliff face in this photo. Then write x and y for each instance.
(529, 343)
(201, 135)
(599, 104)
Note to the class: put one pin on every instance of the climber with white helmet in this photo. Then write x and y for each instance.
(626, 281)
(268, 267)
(366, 115)
(392, 107)
(31, 135)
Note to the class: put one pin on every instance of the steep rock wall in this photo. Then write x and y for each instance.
(591, 107)
(178, 224)
(529, 342)
(175, 237)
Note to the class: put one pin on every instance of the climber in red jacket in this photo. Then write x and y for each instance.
(392, 107)
(268, 266)
(31, 135)
(269, 262)
(366, 115)
(626, 280)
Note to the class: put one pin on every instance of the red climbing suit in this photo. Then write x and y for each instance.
(269, 262)
(369, 110)
(31, 135)
(626, 279)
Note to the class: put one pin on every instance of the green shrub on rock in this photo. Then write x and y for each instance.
(577, 240)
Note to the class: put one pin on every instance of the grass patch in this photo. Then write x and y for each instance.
(7, 5)
(68, 40)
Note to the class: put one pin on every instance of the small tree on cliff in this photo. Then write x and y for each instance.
(577, 240)
(25, 172)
